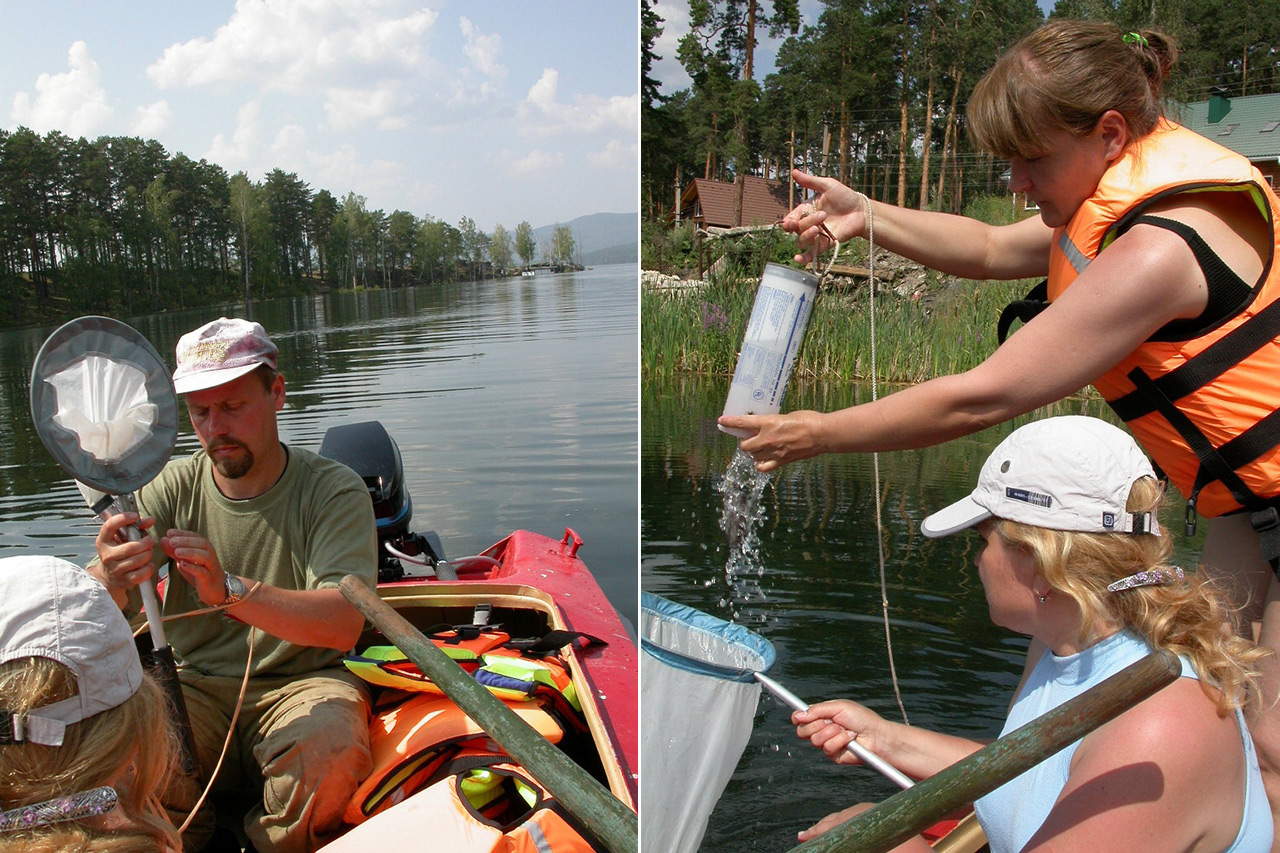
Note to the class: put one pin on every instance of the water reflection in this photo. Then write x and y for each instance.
(513, 403)
(819, 597)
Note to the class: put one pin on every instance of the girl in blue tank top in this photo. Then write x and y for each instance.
(1074, 557)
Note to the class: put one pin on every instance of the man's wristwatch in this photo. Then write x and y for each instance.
(234, 587)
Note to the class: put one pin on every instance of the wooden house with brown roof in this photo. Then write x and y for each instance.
(710, 203)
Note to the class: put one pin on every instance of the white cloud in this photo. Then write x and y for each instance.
(543, 112)
(235, 153)
(290, 140)
(616, 154)
(543, 93)
(675, 24)
(347, 170)
(348, 108)
(151, 121)
(533, 162)
(74, 103)
(482, 50)
(296, 44)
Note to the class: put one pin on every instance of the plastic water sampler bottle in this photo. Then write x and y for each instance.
(781, 312)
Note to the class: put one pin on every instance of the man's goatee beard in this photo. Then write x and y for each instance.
(235, 467)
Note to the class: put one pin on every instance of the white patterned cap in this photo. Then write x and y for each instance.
(219, 352)
(1064, 473)
(50, 608)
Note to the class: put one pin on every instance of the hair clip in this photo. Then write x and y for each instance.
(91, 803)
(1134, 38)
(1150, 577)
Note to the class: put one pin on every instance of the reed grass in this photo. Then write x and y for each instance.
(947, 331)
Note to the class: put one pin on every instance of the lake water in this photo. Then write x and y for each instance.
(513, 403)
(815, 595)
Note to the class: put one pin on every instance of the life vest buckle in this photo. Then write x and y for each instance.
(1190, 518)
(1265, 519)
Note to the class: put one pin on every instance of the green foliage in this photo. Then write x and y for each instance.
(680, 251)
(525, 245)
(563, 245)
(117, 223)
(997, 210)
(699, 330)
(500, 249)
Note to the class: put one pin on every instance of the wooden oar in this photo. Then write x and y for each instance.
(906, 813)
(604, 815)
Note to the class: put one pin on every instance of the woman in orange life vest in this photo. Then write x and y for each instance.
(1181, 271)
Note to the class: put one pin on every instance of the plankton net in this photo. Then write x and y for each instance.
(698, 701)
(104, 406)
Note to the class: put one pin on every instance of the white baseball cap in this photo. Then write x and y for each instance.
(1064, 473)
(50, 608)
(219, 352)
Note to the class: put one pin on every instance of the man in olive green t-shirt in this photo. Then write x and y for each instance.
(265, 532)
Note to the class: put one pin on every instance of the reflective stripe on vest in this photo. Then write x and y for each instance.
(1205, 409)
(1074, 256)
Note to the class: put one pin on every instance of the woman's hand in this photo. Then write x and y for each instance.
(832, 725)
(837, 212)
(777, 439)
(831, 821)
(915, 844)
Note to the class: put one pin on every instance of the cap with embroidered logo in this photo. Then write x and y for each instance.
(1064, 473)
(221, 351)
(50, 608)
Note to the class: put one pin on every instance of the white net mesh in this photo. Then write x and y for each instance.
(105, 403)
(697, 720)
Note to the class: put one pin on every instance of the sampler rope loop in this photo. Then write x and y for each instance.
(875, 457)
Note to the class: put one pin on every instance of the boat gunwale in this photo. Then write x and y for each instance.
(517, 596)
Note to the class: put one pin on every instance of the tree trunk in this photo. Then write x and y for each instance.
(902, 129)
(902, 155)
(949, 140)
(741, 130)
(928, 109)
(791, 160)
(844, 142)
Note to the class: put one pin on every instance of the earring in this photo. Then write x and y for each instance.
(1044, 596)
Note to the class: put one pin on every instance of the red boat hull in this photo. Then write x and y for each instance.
(536, 571)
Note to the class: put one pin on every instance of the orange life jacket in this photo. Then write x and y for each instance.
(1207, 409)
(412, 738)
(506, 672)
(478, 803)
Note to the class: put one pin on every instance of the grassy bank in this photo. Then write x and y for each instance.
(943, 331)
(944, 327)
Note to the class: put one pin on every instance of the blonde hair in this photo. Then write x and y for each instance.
(1064, 76)
(1187, 617)
(129, 747)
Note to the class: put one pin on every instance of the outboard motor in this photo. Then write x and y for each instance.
(371, 452)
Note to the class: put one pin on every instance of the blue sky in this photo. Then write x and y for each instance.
(503, 111)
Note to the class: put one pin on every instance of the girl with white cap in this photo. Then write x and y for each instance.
(84, 743)
(1075, 558)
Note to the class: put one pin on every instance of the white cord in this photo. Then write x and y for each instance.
(231, 729)
(875, 457)
(235, 715)
(465, 562)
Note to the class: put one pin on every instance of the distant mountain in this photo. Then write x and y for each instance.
(601, 238)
